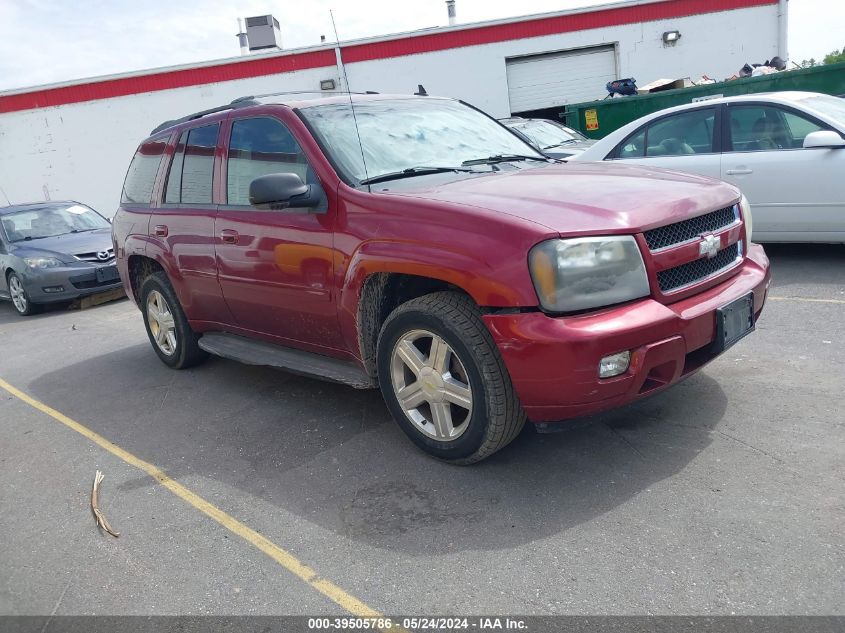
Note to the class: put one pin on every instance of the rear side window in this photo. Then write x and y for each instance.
(140, 179)
(192, 169)
(173, 191)
(680, 134)
(258, 147)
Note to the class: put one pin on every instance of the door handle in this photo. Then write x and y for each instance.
(739, 172)
(229, 236)
(160, 230)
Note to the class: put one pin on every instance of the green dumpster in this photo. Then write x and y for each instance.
(596, 119)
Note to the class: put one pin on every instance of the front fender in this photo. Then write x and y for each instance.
(506, 286)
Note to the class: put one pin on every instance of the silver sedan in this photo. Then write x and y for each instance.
(784, 150)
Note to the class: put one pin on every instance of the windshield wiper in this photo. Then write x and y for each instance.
(502, 158)
(566, 142)
(410, 172)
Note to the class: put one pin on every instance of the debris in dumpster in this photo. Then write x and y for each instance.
(95, 506)
(622, 87)
(665, 84)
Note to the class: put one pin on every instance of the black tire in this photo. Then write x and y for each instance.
(29, 307)
(186, 352)
(496, 415)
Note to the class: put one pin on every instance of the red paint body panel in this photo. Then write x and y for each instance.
(277, 276)
(554, 361)
(587, 198)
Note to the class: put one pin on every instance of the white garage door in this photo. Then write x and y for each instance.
(554, 79)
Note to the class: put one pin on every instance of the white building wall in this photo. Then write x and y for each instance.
(81, 151)
(715, 44)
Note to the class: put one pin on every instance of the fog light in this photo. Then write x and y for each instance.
(614, 364)
(53, 289)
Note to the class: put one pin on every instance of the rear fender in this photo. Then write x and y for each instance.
(153, 249)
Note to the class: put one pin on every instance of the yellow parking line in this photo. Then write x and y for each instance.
(807, 299)
(281, 556)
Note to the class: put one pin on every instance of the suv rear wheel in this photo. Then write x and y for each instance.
(170, 334)
(444, 380)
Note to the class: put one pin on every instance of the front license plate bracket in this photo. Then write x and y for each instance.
(734, 321)
(107, 273)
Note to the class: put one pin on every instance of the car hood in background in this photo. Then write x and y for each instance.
(68, 245)
(583, 198)
(568, 149)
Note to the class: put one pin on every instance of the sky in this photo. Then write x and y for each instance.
(50, 41)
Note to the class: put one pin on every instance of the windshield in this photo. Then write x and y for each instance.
(406, 133)
(833, 107)
(32, 224)
(547, 134)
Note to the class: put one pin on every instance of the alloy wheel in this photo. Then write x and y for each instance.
(431, 384)
(18, 294)
(161, 322)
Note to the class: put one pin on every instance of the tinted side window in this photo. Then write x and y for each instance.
(633, 146)
(173, 191)
(259, 147)
(680, 134)
(140, 179)
(797, 127)
(198, 165)
(760, 128)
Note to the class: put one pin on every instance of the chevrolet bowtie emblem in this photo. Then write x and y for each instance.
(709, 246)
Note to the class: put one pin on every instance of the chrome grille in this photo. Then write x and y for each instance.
(94, 258)
(687, 230)
(678, 277)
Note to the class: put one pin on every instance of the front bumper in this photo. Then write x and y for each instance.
(75, 281)
(553, 361)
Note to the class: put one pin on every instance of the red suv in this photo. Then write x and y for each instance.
(416, 244)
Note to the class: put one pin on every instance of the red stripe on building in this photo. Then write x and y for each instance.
(165, 80)
(407, 45)
(428, 43)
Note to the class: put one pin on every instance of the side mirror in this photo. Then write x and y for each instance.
(282, 191)
(823, 138)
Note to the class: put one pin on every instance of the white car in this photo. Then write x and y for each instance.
(784, 150)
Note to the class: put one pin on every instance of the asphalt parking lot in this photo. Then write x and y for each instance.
(723, 495)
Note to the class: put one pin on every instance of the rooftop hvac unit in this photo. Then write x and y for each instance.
(263, 32)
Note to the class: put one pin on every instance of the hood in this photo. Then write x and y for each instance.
(582, 198)
(568, 149)
(66, 246)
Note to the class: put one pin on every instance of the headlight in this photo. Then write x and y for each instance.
(587, 272)
(745, 210)
(42, 262)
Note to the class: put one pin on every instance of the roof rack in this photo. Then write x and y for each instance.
(307, 92)
(242, 102)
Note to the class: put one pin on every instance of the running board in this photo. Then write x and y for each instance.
(252, 352)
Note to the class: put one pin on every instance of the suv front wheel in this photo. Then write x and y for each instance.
(444, 380)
